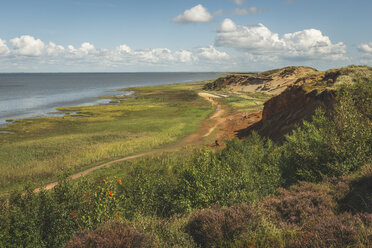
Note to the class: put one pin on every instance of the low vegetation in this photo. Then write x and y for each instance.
(40, 149)
(246, 101)
(312, 190)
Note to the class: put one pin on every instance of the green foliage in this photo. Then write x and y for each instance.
(331, 146)
(240, 173)
(155, 194)
(48, 219)
(168, 232)
(255, 161)
(307, 154)
(35, 220)
(147, 191)
(245, 101)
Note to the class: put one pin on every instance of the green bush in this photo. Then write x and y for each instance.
(243, 172)
(49, 218)
(307, 154)
(333, 145)
(36, 220)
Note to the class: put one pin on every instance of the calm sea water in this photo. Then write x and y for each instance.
(38, 94)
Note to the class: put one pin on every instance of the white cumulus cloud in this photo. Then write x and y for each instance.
(27, 45)
(87, 47)
(54, 50)
(195, 14)
(365, 48)
(255, 38)
(3, 47)
(312, 43)
(211, 53)
(227, 26)
(124, 49)
(260, 40)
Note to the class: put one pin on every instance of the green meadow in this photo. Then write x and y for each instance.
(38, 150)
(246, 101)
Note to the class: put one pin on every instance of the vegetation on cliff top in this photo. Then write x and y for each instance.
(276, 81)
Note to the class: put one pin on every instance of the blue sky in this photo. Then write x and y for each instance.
(175, 35)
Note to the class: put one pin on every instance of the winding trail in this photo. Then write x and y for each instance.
(193, 138)
(217, 116)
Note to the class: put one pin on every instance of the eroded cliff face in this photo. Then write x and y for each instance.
(271, 82)
(282, 113)
(297, 92)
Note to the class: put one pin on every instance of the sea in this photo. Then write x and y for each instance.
(28, 95)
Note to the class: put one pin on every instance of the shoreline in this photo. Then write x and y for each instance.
(96, 100)
(75, 91)
(39, 149)
(99, 100)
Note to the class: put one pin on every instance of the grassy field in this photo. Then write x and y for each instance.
(242, 101)
(247, 101)
(40, 149)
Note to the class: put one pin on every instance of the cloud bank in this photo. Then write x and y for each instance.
(250, 46)
(26, 52)
(259, 40)
(195, 14)
(364, 48)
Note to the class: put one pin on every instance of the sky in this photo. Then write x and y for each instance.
(182, 35)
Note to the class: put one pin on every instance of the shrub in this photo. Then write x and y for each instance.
(336, 145)
(296, 205)
(111, 235)
(168, 232)
(254, 162)
(353, 127)
(206, 227)
(331, 230)
(211, 227)
(148, 190)
(37, 220)
(359, 198)
(49, 218)
(242, 172)
(307, 156)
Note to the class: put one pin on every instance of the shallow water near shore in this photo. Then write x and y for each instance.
(25, 95)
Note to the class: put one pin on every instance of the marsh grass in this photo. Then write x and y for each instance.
(40, 148)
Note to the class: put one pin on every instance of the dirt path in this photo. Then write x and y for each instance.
(217, 116)
(193, 138)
